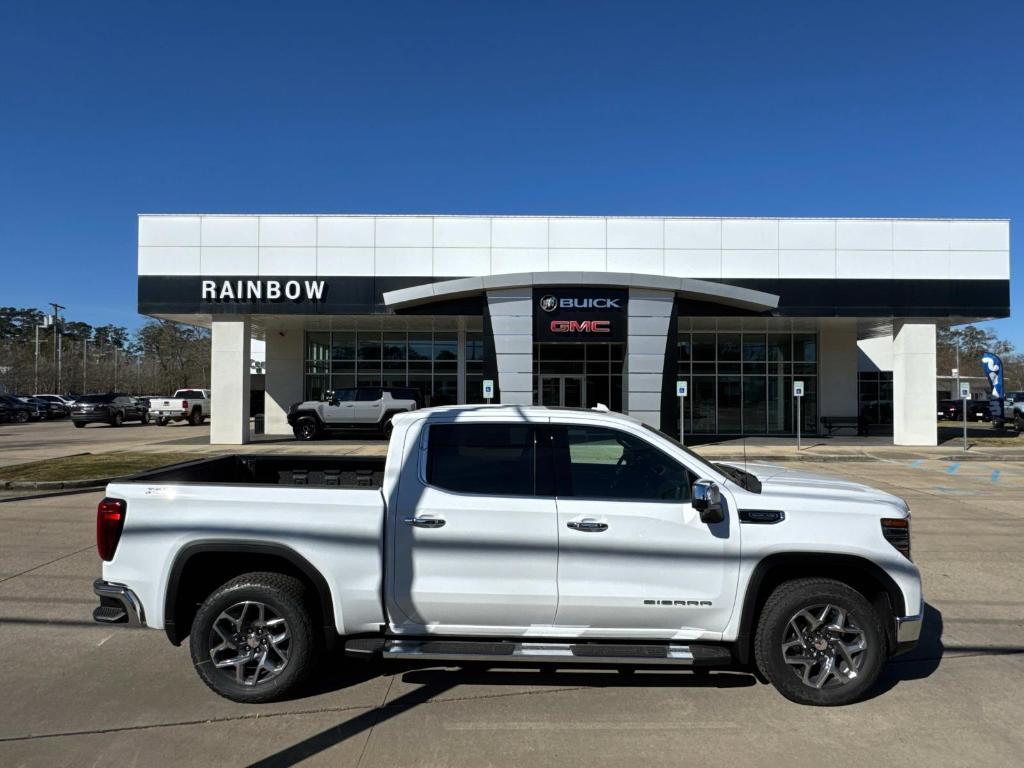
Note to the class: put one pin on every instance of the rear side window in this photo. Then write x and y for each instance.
(490, 459)
(367, 395)
(189, 394)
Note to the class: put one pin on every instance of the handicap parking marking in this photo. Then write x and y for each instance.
(995, 475)
(952, 468)
(916, 463)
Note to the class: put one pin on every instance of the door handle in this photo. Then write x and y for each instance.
(425, 522)
(587, 525)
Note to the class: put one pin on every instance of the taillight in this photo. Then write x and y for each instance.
(896, 531)
(109, 522)
(184, 405)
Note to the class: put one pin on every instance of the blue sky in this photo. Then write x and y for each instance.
(674, 108)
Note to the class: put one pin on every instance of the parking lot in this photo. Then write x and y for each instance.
(81, 694)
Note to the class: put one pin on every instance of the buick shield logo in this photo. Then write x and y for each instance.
(549, 303)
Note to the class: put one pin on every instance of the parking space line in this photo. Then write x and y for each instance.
(952, 468)
(995, 475)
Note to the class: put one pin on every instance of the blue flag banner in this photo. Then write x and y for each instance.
(993, 368)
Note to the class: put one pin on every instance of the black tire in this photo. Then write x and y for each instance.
(387, 429)
(774, 627)
(21, 417)
(79, 424)
(195, 418)
(117, 420)
(286, 597)
(306, 428)
(145, 417)
(162, 421)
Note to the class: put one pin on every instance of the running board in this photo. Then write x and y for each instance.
(674, 654)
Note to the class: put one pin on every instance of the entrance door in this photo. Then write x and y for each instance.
(564, 391)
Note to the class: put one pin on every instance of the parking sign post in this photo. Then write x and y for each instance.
(798, 393)
(965, 395)
(681, 394)
(488, 390)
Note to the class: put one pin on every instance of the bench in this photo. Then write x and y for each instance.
(832, 423)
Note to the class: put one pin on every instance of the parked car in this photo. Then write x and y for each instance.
(513, 534)
(979, 410)
(60, 405)
(949, 410)
(18, 411)
(40, 408)
(112, 409)
(191, 405)
(362, 408)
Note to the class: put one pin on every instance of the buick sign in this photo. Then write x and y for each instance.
(578, 314)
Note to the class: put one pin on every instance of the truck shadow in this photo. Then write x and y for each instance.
(919, 663)
(434, 682)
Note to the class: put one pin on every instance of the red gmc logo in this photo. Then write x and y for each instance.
(581, 326)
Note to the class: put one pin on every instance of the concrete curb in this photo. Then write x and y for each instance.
(54, 485)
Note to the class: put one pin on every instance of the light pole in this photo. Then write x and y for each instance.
(56, 344)
(85, 362)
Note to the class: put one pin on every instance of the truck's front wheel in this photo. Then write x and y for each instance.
(306, 428)
(819, 642)
(253, 640)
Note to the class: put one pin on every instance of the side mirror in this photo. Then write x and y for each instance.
(707, 500)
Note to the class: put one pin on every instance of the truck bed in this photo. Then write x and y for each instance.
(268, 469)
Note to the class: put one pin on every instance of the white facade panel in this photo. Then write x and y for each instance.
(169, 260)
(693, 234)
(816, 234)
(576, 233)
(230, 231)
(226, 260)
(636, 233)
(750, 234)
(403, 261)
(750, 264)
(807, 263)
(405, 232)
(519, 232)
(864, 265)
(346, 231)
(864, 235)
(979, 265)
(705, 263)
(921, 265)
(462, 232)
(287, 261)
(577, 259)
(979, 236)
(288, 231)
(357, 262)
(513, 260)
(462, 262)
(920, 235)
(644, 261)
(169, 230)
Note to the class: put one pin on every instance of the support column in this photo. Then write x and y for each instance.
(284, 378)
(229, 382)
(913, 384)
(460, 365)
(649, 315)
(511, 312)
(837, 369)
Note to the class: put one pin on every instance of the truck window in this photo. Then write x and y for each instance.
(367, 395)
(602, 463)
(490, 459)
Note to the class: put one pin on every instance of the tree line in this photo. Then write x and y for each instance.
(77, 357)
(972, 342)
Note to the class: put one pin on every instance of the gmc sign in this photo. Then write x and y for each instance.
(579, 314)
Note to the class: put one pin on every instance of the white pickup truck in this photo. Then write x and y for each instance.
(513, 535)
(191, 405)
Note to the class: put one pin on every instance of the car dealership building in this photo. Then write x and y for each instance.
(576, 311)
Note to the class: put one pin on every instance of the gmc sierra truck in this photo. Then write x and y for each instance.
(191, 405)
(500, 534)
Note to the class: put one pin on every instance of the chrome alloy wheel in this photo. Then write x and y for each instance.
(823, 646)
(251, 638)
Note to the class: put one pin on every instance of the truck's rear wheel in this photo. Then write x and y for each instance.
(819, 642)
(195, 418)
(252, 639)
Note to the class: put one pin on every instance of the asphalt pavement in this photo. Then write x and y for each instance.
(76, 693)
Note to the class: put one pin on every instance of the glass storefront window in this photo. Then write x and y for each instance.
(425, 360)
(743, 382)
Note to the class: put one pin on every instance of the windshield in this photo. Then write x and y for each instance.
(746, 480)
(195, 394)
